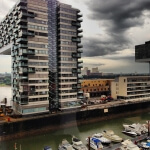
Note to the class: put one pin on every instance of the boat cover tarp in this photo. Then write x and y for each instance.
(47, 148)
(95, 140)
(148, 144)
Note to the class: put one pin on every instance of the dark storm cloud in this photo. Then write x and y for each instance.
(117, 16)
(99, 47)
(122, 14)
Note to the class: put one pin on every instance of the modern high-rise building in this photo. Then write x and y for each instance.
(43, 38)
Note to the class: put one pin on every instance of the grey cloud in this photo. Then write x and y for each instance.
(117, 16)
(128, 58)
(93, 65)
(122, 14)
(98, 47)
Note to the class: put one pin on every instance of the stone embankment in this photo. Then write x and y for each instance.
(20, 127)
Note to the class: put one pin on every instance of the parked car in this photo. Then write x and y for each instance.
(103, 100)
(109, 99)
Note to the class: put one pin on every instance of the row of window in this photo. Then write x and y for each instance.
(70, 96)
(67, 43)
(66, 70)
(38, 81)
(68, 59)
(68, 48)
(68, 32)
(66, 53)
(65, 86)
(67, 16)
(42, 76)
(66, 37)
(37, 45)
(69, 65)
(68, 91)
(38, 99)
(36, 9)
(37, 21)
(68, 80)
(66, 21)
(38, 93)
(33, 110)
(95, 90)
(69, 75)
(38, 63)
(41, 69)
(67, 26)
(37, 27)
(87, 85)
(68, 10)
(41, 34)
(41, 52)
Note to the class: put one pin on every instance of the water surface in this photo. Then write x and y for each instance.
(54, 138)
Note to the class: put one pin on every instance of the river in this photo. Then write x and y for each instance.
(37, 142)
(5, 92)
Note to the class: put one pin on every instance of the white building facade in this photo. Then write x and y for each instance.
(131, 87)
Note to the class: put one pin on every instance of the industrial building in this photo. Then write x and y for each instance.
(96, 87)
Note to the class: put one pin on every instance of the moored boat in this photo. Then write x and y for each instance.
(65, 145)
(47, 148)
(110, 135)
(94, 143)
(130, 133)
(101, 138)
(77, 144)
(129, 145)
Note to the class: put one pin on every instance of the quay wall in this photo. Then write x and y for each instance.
(39, 124)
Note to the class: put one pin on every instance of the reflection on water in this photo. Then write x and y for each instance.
(83, 131)
(5, 92)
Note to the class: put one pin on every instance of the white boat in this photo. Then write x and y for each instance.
(129, 145)
(110, 135)
(77, 144)
(145, 145)
(136, 127)
(130, 133)
(47, 148)
(65, 145)
(101, 138)
(94, 143)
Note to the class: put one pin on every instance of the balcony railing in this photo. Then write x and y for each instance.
(80, 66)
(76, 40)
(79, 46)
(22, 39)
(80, 51)
(80, 61)
(76, 24)
(80, 30)
(80, 77)
(31, 70)
(80, 20)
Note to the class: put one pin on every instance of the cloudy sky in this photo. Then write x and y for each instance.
(111, 29)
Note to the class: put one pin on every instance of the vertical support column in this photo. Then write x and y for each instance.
(52, 48)
(149, 67)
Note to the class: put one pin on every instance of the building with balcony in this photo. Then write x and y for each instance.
(43, 38)
(96, 87)
(142, 53)
(131, 87)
